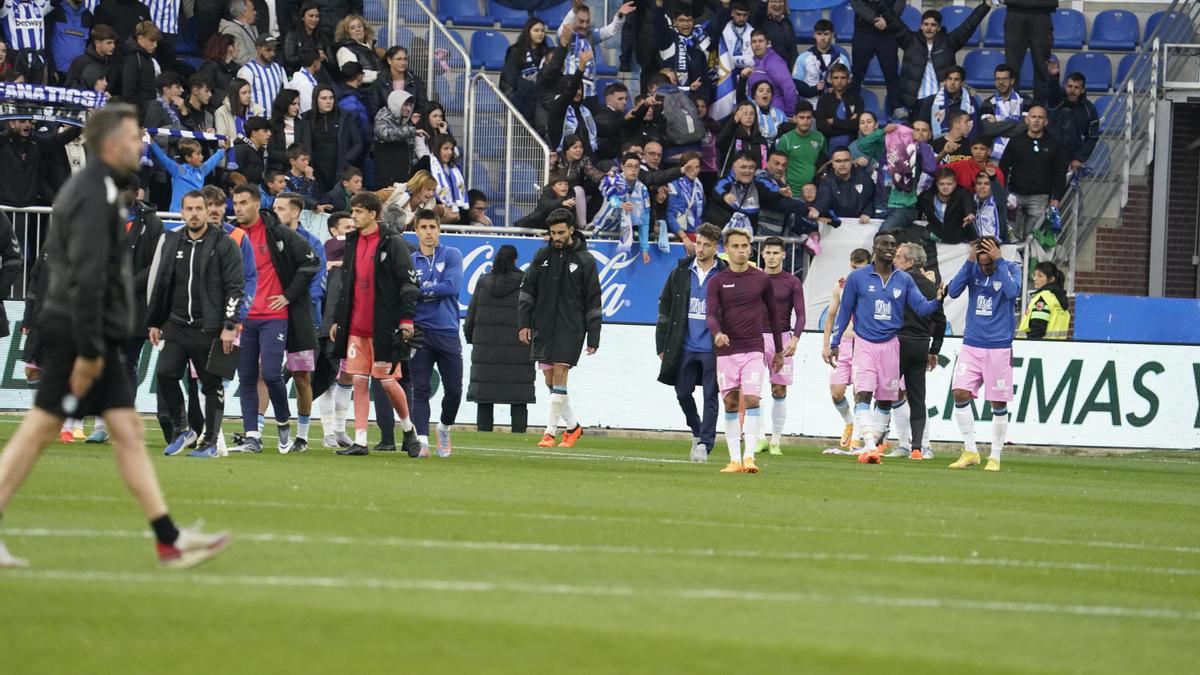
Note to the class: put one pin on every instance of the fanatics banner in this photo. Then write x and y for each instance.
(48, 104)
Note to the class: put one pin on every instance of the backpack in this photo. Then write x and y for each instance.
(683, 118)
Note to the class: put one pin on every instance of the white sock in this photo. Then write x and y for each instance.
(843, 408)
(902, 423)
(750, 430)
(862, 424)
(325, 409)
(999, 432)
(733, 436)
(881, 419)
(302, 424)
(99, 425)
(360, 438)
(341, 406)
(778, 418)
(558, 399)
(424, 440)
(966, 426)
(568, 415)
(405, 424)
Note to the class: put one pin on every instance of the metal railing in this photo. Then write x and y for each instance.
(436, 54)
(506, 158)
(1127, 130)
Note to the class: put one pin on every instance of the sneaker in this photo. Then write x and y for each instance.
(384, 447)
(444, 447)
(342, 439)
(897, 452)
(966, 459)
(748, 465)
(570, 438)
(206, 451)
(330, 442)
(98, 436)
(181, 441)
(249, 444)
(423, 453)
(10, 561)
(774, 448)
(916, 454)
(238, 438)
(192, 548)
(412, 444)
(285, 438)
(547, 441)
(847, 435)
(871, 457)
(992, 465)
(78, 434)
(699, 452)
(732, 467)
(355, 450)
(65, 436)
(300, 445)
(926, 453)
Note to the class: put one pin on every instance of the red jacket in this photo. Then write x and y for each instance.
(965, 170)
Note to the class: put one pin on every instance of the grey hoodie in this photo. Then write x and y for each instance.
(244, 38)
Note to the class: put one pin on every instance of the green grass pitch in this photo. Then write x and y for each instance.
(613, 557)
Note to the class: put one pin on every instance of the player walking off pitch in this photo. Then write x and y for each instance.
(789, 300)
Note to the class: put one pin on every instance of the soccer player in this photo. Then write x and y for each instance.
(302, 363)
(789, 298)
(194, 300)
(993, 286)
(86, 316)
(741, 301)
(840, 378)
(683, 342)
(875, 297)
(439, 271)
(280, 316)
(558, 308)
(373, 322)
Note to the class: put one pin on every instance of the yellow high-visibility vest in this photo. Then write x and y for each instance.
(1044, 306)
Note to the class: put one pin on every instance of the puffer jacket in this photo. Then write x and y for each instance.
(917, 52)
(500, 368)
(393, 147)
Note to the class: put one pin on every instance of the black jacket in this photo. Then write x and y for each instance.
(87, 261)
(350, 148)
(11, 265)
(549, 86)
(917, 54)
(848, 198)
(277, 147)
(558, 109)
(500, 367)
(298, 38)
(381, 88)
(333, 11)
(26, 164)
(137, 77)
(1075, 125)
(89, 57)
(1035, 172)
(560, 302)
(143, 240)
(296, 264)
(732, 136)
(781, 33)
(865, 12)
(522, 92)
(950, 229)
(396, 294)
(218, 76)
(122, 15)
(249, 161)
(219, 266)
(827, 106)
(672, 325)
(925, 327)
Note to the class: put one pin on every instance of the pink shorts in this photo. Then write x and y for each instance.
(844, 371)
(877, 369)
(301, 362)
(740, 371)
(784, 376)
(989, 368)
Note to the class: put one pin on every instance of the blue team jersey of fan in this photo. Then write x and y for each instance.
(991, 316)
(24, 24)
(876, 306)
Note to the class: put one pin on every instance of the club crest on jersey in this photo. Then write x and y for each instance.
(573, 267)
(383, 256)
(279, 246)
(996, 285)
(896, 293)
(441, 266)
(859, 188)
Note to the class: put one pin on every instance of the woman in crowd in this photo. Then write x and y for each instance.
(708, 145)
(451, 186)
(1047, 317)
(396, 77)
(355, 42)
(308, 32)
(685, 201)
(431, 119)
(238, 107)
(336, 143)
(219, 68)
(395, 139)
(501, 372)
(522, 62)
(287, 127)
(740, 134)
(402, 201)
(583, 177)
(770, 118)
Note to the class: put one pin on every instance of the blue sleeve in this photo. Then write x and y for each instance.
(845, 311)
(1010, 279)
(212, 162)
(250, 270)
(169, 165)
(676, 205)
(916, 299)
(316, 288)
(959, 283)
(450, 278)
(644, 220)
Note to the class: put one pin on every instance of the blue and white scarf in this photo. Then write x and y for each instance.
(769, 122)
(571, 123)
(691, 190)
(737, 43)
(170, 110)
(937, 114)
(580, 45)
(530, 71)
(1008, 110)
(987, 220)
(451, 187)
(616, 191)
(681, 46)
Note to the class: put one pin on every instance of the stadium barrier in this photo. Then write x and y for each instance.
(437, 55)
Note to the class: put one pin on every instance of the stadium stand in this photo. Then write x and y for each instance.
(1115, 30)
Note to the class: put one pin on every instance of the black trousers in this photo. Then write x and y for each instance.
(184, 345)
(868, 44)
(1033, 32)
(486, 416)
(914, 359)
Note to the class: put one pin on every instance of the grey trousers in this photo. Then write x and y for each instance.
(1031, 210)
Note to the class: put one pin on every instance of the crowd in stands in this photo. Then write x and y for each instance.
(734, 121)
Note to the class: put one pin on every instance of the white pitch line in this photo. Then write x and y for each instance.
(538, 547)
(460, 586)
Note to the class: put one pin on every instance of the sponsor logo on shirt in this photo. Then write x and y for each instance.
(883, 310)
(983, 305)
(697, 308)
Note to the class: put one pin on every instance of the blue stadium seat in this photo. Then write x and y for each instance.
(953, 16)
(1176, 27)
(1094, 66)
(187, 42)
(802, 21)
(911, 17)
(489, 137)
(463, 13)
(1070, 28)
(993, 33)
(874, 73)
(507, 16)
(1112, 121)
(553, 16)
(1101, 104)
(1116, 30)
(842, 17)
(488, 48)
(1137, 64)
(980, 65)
(449, 93)
(602, 85)
(606, 63)
(375, 11)
(871, 103)
(481, 179)
(487, 101)
(403, 36)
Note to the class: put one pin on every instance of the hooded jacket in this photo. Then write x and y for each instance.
(138, 72)
(74, 78)
(1075, 125)
(560, 302)
(218, 265)
(394, 136)
(396, 294)
(381, 89)
(772, 68)
(917, 52)
(500, 368)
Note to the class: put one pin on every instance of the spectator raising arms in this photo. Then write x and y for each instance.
(568, 115)
(356, 44)
(522, 61)
(683, 47)
(336, 143)
(929, 53)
